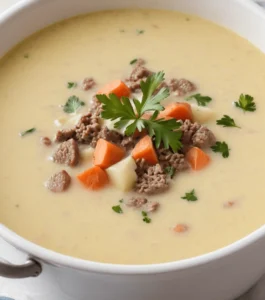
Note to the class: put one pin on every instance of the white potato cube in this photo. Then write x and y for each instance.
(122, 175)
(202, 114)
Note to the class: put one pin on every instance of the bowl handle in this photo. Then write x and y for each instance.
(30, 268)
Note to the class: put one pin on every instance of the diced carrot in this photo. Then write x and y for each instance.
(180, 228)
(107, 154)
(197, 158)
(177, 110)
(94, 178)
(145, 149)
(117, 87)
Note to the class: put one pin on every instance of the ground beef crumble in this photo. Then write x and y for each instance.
(128, 142)
(111, 135)
(45, 141)
(150, 179)
(183, 87)
(88, 83)
(59, 182)
(87, 130)
(143, 203)
(67, 153)
(194, 134)
(138, 74)
(167, 158)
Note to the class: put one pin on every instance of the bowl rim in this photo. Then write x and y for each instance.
(57, 259)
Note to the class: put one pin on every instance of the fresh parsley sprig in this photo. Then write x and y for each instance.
(128, 113)
(190, 196)
(246, 103)
(201, 100)
(227, 121)
(73, 104)
(222, 148)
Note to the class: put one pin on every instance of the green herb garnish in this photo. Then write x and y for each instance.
(170, 171)
(121, 201)
(139, 31)
(201, 100)
(190, 196)
(117, 209)
(146, 219)
(122, 111)
(26, 55)
(71, 85)
(221, 147)
(122, 30)
(226, 121)
(133, 61)
(246, 102)
(23, 133)
(72, 105)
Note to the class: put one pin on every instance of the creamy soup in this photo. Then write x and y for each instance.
(81, 222)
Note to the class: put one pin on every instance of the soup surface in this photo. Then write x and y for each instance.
(80, 222)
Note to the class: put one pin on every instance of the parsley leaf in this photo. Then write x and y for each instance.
(146, 219)
(25, 132)
(139, 31)
(117, 209)
(227, 121)
(72, 105)
(133, 61)
(122, 110)
(201, 100)
(190, 196)
(71, 85)
(221, 147)
(246, 102)
(121, 201)
(170, 171)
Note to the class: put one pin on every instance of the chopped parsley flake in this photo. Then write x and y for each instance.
(201, 100)
(121, 201)
(117, 209)
(73, 104)
(226, 121)
(26, 55)
(221, 147)
(146, 219)
(139, 31)
(133, 61)
(71, 85)
(190, 196)
(23, 133)
(170, 171)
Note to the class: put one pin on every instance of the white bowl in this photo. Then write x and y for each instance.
(220, 275)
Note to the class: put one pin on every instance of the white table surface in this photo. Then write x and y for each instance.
(28, 289)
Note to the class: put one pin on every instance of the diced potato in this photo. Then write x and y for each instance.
(122, 174)
(87, 154)
(202, 114)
